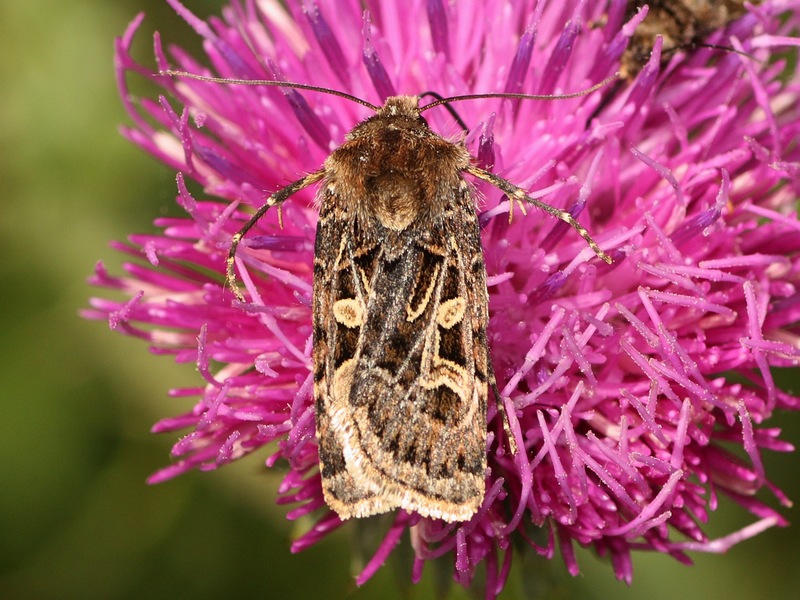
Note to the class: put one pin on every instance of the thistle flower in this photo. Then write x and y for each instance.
(634, 390)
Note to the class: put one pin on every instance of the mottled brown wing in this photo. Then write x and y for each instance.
(401, 363)
(336, 278)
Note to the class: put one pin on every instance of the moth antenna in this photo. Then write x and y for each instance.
(585, 92)
(449, 108)
(693, 45)
(269, 82)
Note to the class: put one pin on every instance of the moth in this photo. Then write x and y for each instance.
(681, 24)
(400, 311)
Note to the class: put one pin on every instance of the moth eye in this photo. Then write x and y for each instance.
(422, 120)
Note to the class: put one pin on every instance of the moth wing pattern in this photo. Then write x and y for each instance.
(345, 493)
(400, 360)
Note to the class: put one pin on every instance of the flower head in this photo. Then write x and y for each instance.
(626, 385)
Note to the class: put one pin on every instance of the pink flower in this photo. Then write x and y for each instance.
(630, 385)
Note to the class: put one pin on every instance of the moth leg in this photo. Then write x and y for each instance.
(275, 199)
(501, 407)
(516, 194)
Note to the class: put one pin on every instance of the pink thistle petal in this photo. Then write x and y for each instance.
(389, 542)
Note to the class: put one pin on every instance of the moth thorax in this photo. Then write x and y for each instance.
(397, 201)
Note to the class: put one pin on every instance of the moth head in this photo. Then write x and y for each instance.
(400, 106)
(401, 112)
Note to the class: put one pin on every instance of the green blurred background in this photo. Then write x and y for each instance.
(76, 517)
